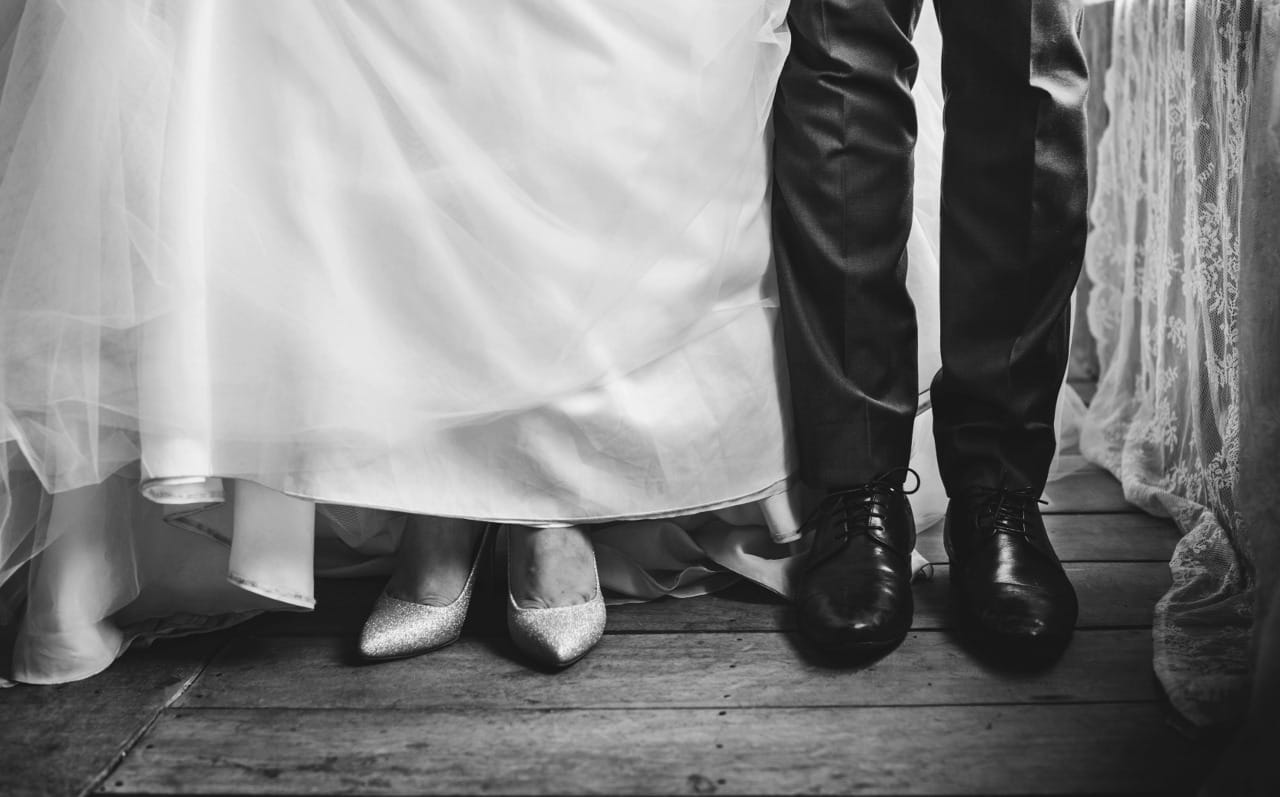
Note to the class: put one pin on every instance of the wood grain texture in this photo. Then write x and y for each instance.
(1085, 489)
(705, 695)
(665, 671)
(60, 740)
(1095, 748)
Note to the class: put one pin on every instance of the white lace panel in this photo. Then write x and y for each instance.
(1165, 261)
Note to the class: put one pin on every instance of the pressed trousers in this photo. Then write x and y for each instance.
(1014, 189)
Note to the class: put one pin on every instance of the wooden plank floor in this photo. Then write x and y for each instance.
(710, 695)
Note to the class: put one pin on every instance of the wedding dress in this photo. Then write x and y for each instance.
(273, 275)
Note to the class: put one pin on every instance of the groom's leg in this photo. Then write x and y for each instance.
(845, 128)
(1013, 232)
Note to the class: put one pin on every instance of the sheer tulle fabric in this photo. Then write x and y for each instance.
(487, 260)
(235, 191)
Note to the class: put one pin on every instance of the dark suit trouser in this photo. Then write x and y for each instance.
(1013, 230)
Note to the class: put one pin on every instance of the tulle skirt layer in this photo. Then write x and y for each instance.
(326, 245)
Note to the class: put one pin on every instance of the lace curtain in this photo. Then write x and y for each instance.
(1165, 260)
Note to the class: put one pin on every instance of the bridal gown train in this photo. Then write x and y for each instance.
(273, 275)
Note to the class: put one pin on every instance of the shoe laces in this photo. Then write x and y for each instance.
(869, 501)
(1009, 507)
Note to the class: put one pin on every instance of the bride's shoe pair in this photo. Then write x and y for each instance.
(556, 636)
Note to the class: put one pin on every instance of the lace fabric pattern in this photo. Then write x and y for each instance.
(1165, 260)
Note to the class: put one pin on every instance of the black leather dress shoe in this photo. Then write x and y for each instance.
(855, 590)
(1006, 581)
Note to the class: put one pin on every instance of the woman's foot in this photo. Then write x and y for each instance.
(425, 603)
(555, 611)
(550, 567)
(434, 559)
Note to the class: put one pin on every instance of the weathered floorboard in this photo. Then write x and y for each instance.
(1085, 489)
(665, 671)
(59, 740)
(1113, 748)
(698, 695)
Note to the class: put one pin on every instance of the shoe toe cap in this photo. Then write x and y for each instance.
(396, 629)
(1022, 611)
(877, 620)
(558, 637)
